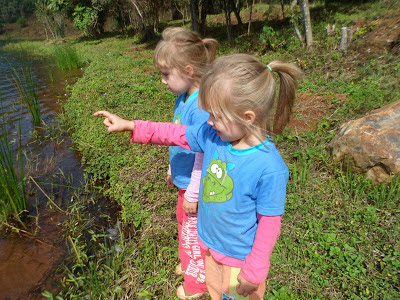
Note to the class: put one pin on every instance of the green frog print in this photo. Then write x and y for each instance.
(177, 120)
(217, 184)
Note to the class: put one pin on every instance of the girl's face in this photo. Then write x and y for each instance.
(229, 131)
(176, 81)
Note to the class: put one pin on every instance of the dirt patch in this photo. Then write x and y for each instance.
(380, 34)
(309, 109)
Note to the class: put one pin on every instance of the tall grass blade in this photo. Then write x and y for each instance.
(13, 198)
(25, 85)
(66, 57)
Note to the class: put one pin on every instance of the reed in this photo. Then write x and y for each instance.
(13, 197)
(66, 57)
(25, 85)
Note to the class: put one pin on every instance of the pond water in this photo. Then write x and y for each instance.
(29, 259)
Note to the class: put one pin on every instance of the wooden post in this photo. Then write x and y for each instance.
(347, 35)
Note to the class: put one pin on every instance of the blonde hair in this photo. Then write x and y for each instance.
(238, 83)
(180, 47)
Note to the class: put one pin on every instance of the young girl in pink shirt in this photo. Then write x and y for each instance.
(182, 57)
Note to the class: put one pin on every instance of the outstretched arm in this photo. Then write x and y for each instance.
(115, 123)
(157, 133)
(146, 132)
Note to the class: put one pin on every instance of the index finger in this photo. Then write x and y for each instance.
(102, 113)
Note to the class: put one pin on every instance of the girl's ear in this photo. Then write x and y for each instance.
(249, 116)
(189, 71)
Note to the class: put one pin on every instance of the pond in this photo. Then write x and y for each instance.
(30, 258)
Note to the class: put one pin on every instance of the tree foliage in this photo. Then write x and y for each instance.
(12, 10)
(51, 14)
(144, 16)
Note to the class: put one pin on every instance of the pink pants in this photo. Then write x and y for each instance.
(192, 256)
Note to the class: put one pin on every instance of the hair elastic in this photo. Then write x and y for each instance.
(269, 68)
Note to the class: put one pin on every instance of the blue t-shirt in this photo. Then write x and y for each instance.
(236, 184)
(180, 159)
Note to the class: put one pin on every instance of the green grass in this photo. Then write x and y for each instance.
(25, 85)
(13, 199)
(66, 57)
(340, 233)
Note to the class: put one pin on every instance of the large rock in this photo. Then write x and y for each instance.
(371, 144)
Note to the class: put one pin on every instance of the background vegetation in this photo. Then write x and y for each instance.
(340, 234)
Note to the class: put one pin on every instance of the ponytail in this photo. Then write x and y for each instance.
(289, 76)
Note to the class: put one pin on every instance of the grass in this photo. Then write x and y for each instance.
(25, 85)
(66, 57)
(340, 234)
(13, 200)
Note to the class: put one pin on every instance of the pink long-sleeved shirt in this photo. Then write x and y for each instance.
(256, 265)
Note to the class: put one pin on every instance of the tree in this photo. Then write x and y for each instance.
(182, 7)
(236, 8)
(228, 22)
(120, 12)
(12, 10)
(251, 3)
(51, 15)
(305, 10)
(146, 14)
(194, 12)
(306, 19)
(206, 8)
(198, 12)
(229, 6)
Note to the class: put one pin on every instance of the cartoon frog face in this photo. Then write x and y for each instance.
(217, 184)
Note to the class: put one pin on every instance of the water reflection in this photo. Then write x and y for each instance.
(28, 261)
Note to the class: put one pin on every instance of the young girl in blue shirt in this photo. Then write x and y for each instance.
(243, 181)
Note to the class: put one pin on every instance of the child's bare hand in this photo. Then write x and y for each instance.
(244, 287)
(169, 181)
(189, 207)
(115, 123)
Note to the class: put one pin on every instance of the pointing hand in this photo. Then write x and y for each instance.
(115, 123)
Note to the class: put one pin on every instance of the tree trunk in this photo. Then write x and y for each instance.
(294, 22)
(205, 9)
(21, 10)
(251, 14)
(140, 15)
(194, 12)
(305, 10)
(227, 11)
(236, 10)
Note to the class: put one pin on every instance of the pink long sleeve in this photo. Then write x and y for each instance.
(256, 265)
(192, 191)
(167, 134)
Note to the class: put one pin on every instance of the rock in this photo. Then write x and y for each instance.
(371, 144)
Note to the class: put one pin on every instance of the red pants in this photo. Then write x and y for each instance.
(190, 253)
